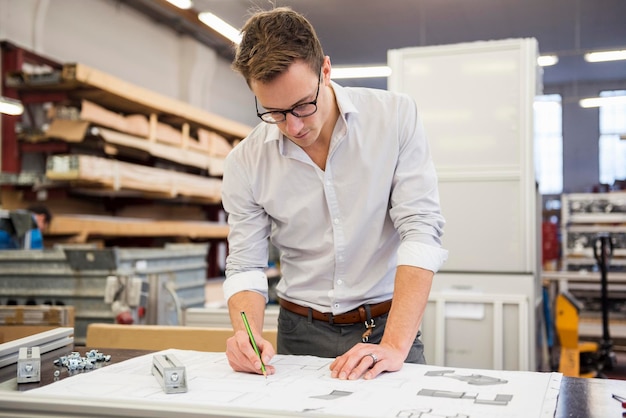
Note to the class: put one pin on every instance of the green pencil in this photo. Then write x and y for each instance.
(256, 349)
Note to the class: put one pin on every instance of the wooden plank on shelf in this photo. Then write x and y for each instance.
(216, 145)
(135, 99)
(164, 151)
(76, 130)
(111, 226)
(135, 124)
(67, 130)
(119, 175)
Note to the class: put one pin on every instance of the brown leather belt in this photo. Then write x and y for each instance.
(351, 317)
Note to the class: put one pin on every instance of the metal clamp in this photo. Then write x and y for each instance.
(170, 373)
(29, 365)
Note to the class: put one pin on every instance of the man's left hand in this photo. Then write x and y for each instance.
(367, 361)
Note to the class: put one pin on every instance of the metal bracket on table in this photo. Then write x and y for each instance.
(29, 365)
(170, 373)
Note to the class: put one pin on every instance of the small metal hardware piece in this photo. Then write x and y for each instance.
(75, 363)
(29, 365)
(170, 373)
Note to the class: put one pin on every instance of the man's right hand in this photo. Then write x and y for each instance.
(242, 357)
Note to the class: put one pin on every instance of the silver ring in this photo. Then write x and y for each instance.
(374, 358)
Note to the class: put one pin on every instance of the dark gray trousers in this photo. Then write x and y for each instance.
(300, 335)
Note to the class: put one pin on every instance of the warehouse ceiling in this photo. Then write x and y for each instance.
(358, 32)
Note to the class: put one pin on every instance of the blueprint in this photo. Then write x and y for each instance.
(302, 385)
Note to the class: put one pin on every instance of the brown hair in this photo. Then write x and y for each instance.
(272, 40)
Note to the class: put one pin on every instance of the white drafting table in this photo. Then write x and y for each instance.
(302, 386)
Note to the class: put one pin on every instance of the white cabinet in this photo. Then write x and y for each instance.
(480, 320)
(476, 103)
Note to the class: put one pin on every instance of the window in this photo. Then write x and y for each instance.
(612, 150)
(548, 143)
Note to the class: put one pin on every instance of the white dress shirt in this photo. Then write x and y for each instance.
(341, 231)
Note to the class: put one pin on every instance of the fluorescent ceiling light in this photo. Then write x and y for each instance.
(547, 60)
(602, 101)
(602, 56)
(360, 72)
(181, 4)
(10, 106)
(221, 27)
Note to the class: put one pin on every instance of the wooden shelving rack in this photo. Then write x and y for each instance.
(118, 163)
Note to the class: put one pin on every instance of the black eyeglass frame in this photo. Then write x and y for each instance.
(292, 110)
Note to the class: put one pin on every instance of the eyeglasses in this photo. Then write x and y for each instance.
(300, 111)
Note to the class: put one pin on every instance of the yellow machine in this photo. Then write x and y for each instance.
(586, 359)
(578, 358)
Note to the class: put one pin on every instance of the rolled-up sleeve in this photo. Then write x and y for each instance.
(255, 281)
(248, 234)
(421, 255)
(415, 208)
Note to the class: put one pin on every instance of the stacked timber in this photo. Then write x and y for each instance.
(157, 161)
(145, 133)
(91, 171)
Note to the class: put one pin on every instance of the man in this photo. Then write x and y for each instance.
(23, 229)
(342, 183)
(42, 217)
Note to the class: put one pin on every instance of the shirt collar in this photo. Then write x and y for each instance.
(343, 100)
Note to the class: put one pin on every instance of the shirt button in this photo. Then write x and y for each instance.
(336, 221)
(339, 282)
(336, 305)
